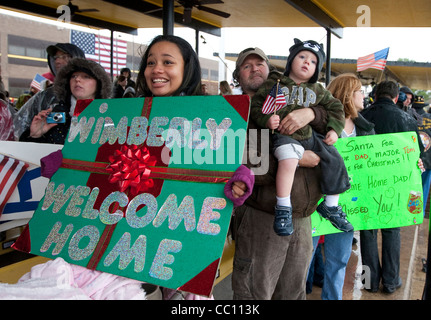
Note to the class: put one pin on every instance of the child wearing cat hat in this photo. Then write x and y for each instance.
(299, 86)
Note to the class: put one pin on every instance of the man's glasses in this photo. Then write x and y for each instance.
(62, 57)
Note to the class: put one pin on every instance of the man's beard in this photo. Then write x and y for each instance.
(255, 83)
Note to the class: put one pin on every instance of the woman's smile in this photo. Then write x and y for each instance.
(165, 69)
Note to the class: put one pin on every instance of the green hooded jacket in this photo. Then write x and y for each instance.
(298, 97)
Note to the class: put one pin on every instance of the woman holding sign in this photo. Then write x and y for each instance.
(170, 67)
(338, 246)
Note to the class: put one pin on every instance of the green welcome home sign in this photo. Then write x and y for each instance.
(140, 190)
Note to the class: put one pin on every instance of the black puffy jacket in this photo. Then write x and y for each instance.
(388, 118)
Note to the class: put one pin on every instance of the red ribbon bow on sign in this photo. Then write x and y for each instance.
(129, 166)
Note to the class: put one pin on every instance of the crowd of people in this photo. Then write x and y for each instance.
(271, 221)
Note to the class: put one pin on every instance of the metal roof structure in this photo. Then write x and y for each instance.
(211, 15)
(333, 14)
(415, 75)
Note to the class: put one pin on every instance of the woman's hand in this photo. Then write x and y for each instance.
(238, 189)
(240, 185)
(39, 126)
(295, 120)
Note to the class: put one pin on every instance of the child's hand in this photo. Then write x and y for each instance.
(273, 122)
(331, 137)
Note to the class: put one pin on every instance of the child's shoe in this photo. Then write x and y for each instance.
(283, 221)
(336, 216)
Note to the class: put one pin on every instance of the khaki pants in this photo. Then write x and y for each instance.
(267, 266)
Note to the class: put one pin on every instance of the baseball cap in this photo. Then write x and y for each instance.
(246, 52)
(420, 102)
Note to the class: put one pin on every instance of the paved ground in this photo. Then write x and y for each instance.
(414, 242)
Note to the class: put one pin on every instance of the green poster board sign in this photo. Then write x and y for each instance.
(386, 184)
(140, 190)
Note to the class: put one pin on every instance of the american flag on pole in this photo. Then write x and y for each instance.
(274, 102)
(37, 81)
(11, 171)
(376, 60)
(98, 48)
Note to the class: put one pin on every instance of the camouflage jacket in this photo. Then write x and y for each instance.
(297, 97)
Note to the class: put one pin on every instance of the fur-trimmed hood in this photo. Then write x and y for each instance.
(95, 70)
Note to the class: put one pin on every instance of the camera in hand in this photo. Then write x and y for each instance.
(56, 117)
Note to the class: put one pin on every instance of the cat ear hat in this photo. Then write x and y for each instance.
(311, 46)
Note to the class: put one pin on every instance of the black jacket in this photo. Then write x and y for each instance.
(388, 118)
(363, 126)
(424, 127)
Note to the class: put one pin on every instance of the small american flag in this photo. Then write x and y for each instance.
(98, 48)
(376, 60)
(37, 81)
(11, 171)
(272, 102)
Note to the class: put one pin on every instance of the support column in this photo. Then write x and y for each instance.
(168, 17)
(328, 57)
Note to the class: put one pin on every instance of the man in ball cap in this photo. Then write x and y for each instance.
(252, 69)
(301, 90)
(270, 266)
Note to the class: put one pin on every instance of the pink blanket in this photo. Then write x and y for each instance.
(57, 279)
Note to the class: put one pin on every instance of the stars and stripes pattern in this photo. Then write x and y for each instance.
(98, 48)
(273, 101)
(37, 81)
(11, 172)
(376, 60)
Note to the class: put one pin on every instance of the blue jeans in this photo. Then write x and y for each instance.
(337, 251)
(316, 271)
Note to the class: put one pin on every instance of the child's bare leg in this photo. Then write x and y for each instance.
(284, 180)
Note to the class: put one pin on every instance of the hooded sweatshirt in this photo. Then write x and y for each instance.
(68, 48)
(66, 102)
(46, 98)
(298, 96)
